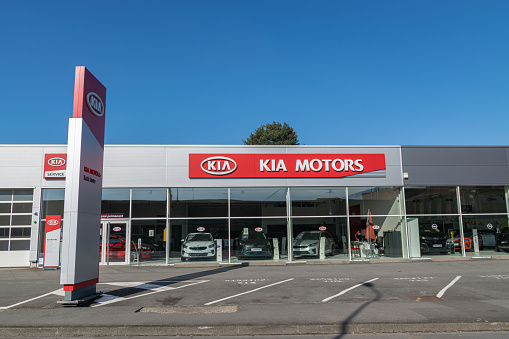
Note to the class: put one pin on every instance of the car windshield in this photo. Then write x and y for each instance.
(253, 235)
(199, 237)
(309, 236)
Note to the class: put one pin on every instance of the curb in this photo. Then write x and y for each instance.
(240, 330)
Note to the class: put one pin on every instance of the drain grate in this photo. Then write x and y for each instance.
(427, 298)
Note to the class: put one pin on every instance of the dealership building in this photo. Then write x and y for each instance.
(265, 203)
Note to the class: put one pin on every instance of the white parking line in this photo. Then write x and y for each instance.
(256, 289)
(441, 293)
(107, 299)
(348, 289)
(58, 292)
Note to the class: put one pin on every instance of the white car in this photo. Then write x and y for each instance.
(308, 243)
(198, 245)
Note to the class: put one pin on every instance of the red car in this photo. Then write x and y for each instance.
(117, 248)
(469, 241)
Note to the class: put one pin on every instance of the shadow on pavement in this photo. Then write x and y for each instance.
(344, 323)
(129, 291)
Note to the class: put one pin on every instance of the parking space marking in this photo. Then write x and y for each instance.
(348, 289)
(107, 299)
(57, 292)
(441, 293)
(496, 276)
(414, 279)
(256, 289)
(330, 280)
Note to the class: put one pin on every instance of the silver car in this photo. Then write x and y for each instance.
(198, 245)
(308, 243)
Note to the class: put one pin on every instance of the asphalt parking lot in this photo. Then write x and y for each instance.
(456, 295)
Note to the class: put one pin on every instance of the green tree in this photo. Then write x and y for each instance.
(273, 134)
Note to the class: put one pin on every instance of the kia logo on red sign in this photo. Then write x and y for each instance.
(200, 229)
(56, 162)
(218, 165)
(52, 222)
(95, 104)
(286, 165)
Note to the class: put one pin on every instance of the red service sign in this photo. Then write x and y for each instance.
(55, 166)
(284, 165)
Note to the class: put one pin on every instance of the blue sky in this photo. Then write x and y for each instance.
(211, 72)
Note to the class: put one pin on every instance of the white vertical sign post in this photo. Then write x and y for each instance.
(83, 189)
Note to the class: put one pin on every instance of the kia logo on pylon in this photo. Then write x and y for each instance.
(56, 162)
(218, 165)
(52, 222)
(95, 104)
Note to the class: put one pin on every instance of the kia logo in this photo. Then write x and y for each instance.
(52, 222)
(95, 104)
(56, 162)
(218, 165)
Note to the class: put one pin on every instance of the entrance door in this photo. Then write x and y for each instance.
(114, 249)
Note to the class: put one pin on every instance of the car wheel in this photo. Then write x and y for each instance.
(134, 256)
(182, 259)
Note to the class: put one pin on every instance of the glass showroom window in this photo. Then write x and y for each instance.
(433, 221)
(198, 202)
(483, 199)
(318, 201)
(197, 240)
(308, 233)
(116, 202)
(149, 203)
(259, 239)
(258, 202)
(374, 201)
(431, 200)
(375, 237)
(15, 219)
(148, 242)
(434, 236)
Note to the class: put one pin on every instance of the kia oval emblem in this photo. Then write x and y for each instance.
(218, 165)
(95, 104)
(52, 222)
(56, 162)
(200, 229)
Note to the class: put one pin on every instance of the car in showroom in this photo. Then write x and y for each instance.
(307, 243)
(253, 244)
(117, 248)
(468, 241)
(198, 246)
(433, 241)
(158, 247)
(502, 240)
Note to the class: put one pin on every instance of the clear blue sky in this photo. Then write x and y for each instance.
(211, 72)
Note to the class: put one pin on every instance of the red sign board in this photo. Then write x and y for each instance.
(284, 165)
(55, 166)
(90, 102)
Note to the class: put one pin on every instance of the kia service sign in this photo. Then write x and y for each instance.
(285, 165)
(55, 166)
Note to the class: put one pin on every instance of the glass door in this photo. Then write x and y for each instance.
(113, 246)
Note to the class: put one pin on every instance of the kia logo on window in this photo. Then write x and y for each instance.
(56, 162)
(218, 165)
(52, 222)
(95, 104)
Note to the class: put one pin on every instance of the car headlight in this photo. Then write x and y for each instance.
(184, 246)
(211, 246)
(313, 244)
(145, 247)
